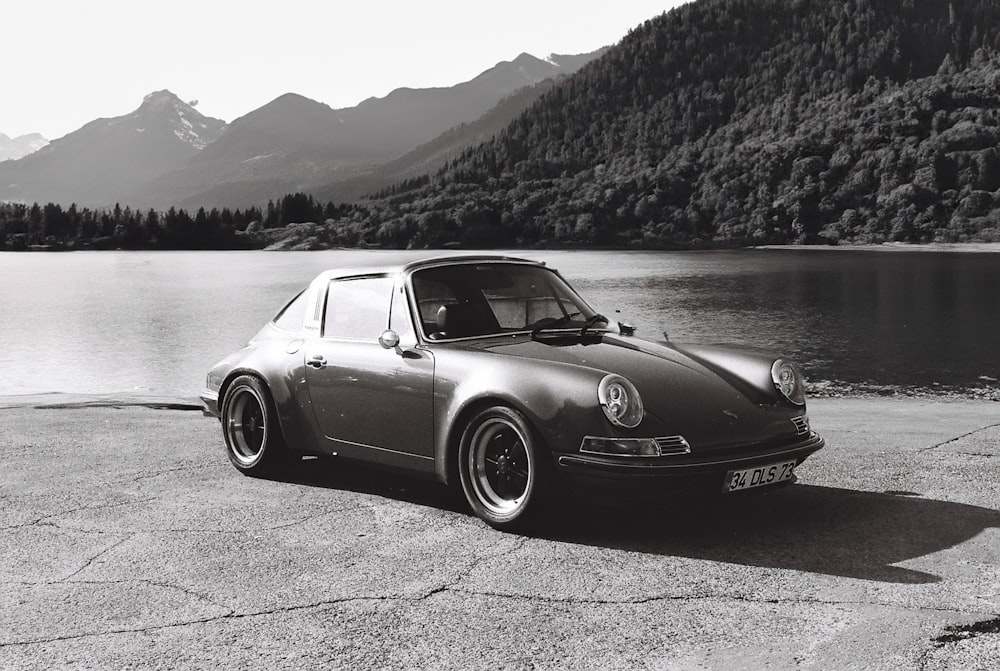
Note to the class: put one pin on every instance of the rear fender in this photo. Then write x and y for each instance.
(283, 374)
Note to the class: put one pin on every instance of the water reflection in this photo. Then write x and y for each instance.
(121, 322)
(889, 318)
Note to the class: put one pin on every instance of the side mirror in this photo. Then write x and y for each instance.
(626, 329)
(388, 339)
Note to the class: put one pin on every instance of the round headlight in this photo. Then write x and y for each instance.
(620, 401)
(788, 381)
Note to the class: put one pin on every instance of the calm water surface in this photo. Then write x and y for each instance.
(151, 323)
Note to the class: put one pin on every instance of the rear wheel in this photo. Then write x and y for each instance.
(502, 468)
(253, 437)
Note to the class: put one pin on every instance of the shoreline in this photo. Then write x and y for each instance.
(972, 247)
(822, 389)
(830, 389)
(963, 247)
(63, 400)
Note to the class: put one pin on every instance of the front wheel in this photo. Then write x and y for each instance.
(502, 468)
(250, 426)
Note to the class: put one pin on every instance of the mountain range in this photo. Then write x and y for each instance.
(166, 153)
(19, 147)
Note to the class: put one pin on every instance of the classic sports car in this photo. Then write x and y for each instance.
(492, 372)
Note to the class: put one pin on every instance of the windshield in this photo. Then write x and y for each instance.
(467, 300)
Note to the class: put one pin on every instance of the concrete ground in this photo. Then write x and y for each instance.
(128, 541)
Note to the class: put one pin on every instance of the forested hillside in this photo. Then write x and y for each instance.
(734, 122)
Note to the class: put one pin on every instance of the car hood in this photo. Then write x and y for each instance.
(707, 403)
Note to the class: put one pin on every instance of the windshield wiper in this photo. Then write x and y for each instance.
(591, 320)
(554, 325)
(566, 318)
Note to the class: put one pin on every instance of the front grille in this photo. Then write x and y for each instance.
(801, 425)
(673, 445)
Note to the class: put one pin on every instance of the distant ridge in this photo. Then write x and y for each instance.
(166, 154)
(105, 159)
(432, 156)
(297, 144)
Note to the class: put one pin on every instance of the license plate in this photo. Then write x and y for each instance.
(760, 476)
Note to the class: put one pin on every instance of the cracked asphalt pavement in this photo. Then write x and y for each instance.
(128, 541)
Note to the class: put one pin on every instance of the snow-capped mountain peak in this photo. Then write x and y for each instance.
(18, 147)
(163, 109)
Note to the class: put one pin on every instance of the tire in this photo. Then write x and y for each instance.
(503, 469)
(250, 426)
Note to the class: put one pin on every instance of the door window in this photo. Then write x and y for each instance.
(358, 308)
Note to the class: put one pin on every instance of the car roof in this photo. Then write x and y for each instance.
(392, 263)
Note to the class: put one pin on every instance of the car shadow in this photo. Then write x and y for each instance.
(839, 532)
(826, 530)
(342, 474)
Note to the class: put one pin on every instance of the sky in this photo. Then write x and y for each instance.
(68, 62)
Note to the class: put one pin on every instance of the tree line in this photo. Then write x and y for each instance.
(49, 226)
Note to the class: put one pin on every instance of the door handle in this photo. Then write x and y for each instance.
(317, 361)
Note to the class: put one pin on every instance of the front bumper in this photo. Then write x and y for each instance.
(626, 480)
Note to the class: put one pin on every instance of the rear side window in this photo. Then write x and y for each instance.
(292, 315)
(358, 308)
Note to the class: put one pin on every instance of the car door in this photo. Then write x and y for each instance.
(371, 402)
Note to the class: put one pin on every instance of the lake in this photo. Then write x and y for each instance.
(152, 323)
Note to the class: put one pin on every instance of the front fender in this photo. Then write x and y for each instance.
(559, 400)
